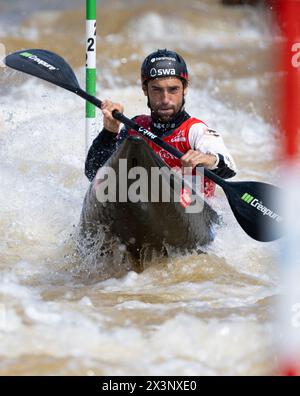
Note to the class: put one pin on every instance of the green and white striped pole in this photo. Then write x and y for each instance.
(90, 110)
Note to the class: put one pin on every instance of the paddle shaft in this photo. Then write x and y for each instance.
(149, 135)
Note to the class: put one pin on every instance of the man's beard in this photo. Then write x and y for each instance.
(165, 114)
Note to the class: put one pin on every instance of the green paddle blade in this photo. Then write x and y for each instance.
(45, 65)
(256, 206)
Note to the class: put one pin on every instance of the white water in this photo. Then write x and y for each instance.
(208, 314)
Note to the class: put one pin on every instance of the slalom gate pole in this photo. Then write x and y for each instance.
(90, 110)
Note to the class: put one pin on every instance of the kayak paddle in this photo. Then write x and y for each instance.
(255, 205)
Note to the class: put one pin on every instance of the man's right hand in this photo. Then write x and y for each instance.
(109, 122)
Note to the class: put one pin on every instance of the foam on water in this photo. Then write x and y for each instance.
(197, 314)
(42, 190)
(215, 33)
(195, 346)
(41, 196)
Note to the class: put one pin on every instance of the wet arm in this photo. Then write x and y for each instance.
(101, 150)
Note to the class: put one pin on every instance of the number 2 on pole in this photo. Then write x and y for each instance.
(91, 42)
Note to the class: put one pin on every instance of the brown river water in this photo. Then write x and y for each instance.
(210, 314)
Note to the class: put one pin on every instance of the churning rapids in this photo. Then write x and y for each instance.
(185, 315)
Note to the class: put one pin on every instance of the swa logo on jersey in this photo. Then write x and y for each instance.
(162, 72)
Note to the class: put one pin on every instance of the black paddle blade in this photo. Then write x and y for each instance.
(45, 65)
(256, 207)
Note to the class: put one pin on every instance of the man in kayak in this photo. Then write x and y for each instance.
(165, 80)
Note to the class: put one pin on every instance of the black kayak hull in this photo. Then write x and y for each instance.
(155, 225)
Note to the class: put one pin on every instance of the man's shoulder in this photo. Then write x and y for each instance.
(196, 123)
(199, 126)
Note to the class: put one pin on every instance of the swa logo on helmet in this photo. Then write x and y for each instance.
(162, 72)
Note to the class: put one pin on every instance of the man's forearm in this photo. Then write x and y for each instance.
(100, 151)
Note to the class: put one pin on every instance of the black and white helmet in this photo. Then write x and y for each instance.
(164, 63)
